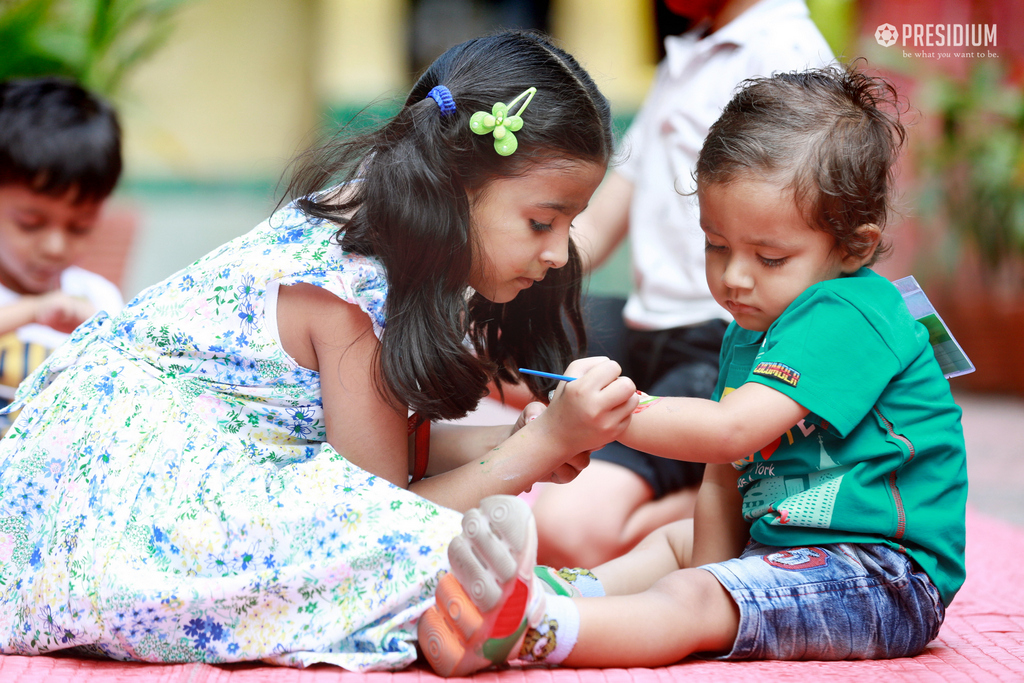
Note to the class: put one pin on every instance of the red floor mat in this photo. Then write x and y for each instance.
(982, 640)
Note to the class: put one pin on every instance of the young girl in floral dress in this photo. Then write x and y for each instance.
(228, 469)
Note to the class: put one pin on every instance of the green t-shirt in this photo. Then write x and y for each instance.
(880, 458)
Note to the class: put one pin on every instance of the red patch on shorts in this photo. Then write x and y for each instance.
(797, 559)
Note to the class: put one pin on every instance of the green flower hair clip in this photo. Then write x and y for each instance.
(502, 124)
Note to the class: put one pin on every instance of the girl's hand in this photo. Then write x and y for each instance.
(589, 412)
(568, 470)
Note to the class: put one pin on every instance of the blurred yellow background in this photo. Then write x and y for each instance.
(212, 119)
(242, 83)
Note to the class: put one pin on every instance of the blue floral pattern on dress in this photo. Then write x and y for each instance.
(166, 493)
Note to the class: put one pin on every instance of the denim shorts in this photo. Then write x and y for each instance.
(829, 602)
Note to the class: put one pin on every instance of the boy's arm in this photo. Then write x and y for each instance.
(719, 530)
(17, 314)
(56, 309)
(700, 430)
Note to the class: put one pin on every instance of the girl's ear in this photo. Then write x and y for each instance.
(866, 237)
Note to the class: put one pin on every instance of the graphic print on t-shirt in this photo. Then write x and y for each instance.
(792, 480)
(802, 500)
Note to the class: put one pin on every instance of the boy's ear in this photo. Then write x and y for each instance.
(867, 237)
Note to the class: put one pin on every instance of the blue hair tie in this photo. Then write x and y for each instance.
(444, 99)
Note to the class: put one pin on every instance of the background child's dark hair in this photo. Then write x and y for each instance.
(410, 208)
(830, 135)
(57, 137)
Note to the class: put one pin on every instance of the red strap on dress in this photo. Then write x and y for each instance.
(421, 445)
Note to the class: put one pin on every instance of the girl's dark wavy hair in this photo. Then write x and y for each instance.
(407, 204)
(56, 136)
(832, 136)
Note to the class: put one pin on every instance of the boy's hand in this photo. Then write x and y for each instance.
(62, 312)
(530, 413)
(570, 469)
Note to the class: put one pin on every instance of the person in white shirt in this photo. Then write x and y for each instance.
(60, 158)
(667, 335)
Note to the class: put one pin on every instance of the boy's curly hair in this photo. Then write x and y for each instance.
(831, 135)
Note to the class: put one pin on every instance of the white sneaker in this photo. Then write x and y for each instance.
(490, 597)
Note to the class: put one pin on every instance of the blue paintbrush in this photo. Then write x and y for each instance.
(564, 378)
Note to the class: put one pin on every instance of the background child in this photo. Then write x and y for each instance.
(830, 523)
(668, 335)
(60, 158)
(221, 472)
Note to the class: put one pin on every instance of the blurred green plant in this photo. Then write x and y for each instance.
(96, 42)
(837, 21)
(972, 173)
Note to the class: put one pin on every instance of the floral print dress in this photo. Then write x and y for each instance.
(167, 494)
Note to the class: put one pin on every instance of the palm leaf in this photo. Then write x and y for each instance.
(97, 42)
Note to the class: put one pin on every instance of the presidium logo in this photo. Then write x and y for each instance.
(886, 35)
(937, 35)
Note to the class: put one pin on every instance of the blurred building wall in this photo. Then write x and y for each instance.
(242, 84)
(212, 121)
(614, 41)
(228, 97)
